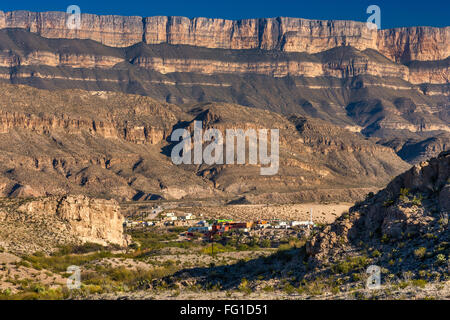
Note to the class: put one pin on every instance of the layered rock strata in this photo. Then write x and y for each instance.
(286, 34)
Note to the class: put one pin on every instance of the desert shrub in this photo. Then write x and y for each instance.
(289, 288)
(266, 243)
(5, 293)
(420, 252)
(23, 263)
(35, 292)
(268, 288)
(177, 230)
(313, 288)
(243, 247)
(419, 283)
(80, 249)
(376, 254)
(440, 259)
(384, 238)
(356, 263)
(153, 239)
(417, 201)
(335, 290)
(119, 278)
(284, 247)
(243, 286)
(217, 249)
(404, 192)
(59, 263)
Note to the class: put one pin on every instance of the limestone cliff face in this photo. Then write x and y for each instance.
(439, 73)
(114, 31)
(276, 68)
(338, 69)
(47, 123)
(9, 59)
(414, 43)
(93, 220)
(286, 34)
(49, 222)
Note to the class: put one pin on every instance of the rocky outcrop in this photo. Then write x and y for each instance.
(410, 213)
(46, 123)
(11, 60)
(414, 43)
(288, 67)
(427, 177)
(114, 31)
(432, 74)
(415, 151)
(87, 219)
(286, 34)
(44, 224)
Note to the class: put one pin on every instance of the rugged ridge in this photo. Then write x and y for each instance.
(20, 48)
(411, 213)
(285, 34)
(387, 84)
(113, 145)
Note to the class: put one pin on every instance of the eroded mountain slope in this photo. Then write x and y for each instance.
(116, 145)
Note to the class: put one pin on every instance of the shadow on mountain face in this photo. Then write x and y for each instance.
(167, 149)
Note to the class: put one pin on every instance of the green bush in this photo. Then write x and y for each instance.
(243, 286)
(59, 263)
(80, 249)
(357, 263)
(404, 192)
(266, 243)
(376, 254)
(417, 201)
(419, 283)
(440, 259)
(420, 252)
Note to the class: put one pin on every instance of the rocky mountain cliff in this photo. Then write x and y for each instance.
(285, 34)
(32, 225)
(114, 145)
(390, 85)
(387, 84)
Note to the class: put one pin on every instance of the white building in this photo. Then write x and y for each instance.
(200, 229)
(188, 216)
(302, 223)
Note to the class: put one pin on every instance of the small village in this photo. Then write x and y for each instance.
(200, 227)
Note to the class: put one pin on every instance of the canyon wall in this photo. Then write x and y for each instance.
(46, 123)
(285, 34)
(279, 67)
